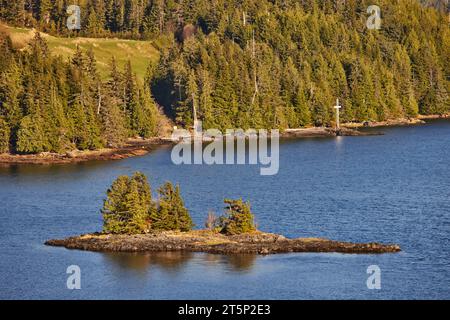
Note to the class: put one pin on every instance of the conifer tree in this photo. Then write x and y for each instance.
(148, 114)
(302, 109)
(114, 127)
(10, 94)
(128, 206)
(94, 25)
(31, 137)
(4, 136)
(238, 218)
(171, 213)
(45, 11)
(131, 99)
(115, 212)
(139, 204)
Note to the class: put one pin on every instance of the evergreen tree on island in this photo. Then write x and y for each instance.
(130, 209)
(128, 205)
(238, 218)
(171, 213)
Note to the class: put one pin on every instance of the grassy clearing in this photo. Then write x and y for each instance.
(140, 53)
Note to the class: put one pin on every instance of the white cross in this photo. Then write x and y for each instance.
(338, 108)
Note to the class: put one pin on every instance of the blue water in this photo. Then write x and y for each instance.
(393, 188)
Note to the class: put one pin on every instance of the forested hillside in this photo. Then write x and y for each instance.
(284, 64)
(48, 104)
(246, 63)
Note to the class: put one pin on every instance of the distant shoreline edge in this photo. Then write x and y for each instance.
(141, 147)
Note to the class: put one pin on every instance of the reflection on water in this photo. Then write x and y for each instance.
(232, 262)
(49, 169)
(176, 261)
(242, 262)
(144, 261)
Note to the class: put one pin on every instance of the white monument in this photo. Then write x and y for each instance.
(338, 108)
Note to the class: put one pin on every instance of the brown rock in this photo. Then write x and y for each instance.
(206, 241)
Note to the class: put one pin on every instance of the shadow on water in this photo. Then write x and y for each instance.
(36, 169)
(171, 261)
(178, 261)
(233, 262)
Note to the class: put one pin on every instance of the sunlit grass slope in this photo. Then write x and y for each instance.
(140, 53)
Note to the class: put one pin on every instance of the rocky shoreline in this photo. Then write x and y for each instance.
(209, 242)
(392, 123)
(140, 147)
(326, 132)
(133, 148)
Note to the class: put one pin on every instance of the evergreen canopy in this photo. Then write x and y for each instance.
(244, 63)
(130, 209)
(49, 105)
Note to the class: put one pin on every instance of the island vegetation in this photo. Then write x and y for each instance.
(135, 222)
(130, 209)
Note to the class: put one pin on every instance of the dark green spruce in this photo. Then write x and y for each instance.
(130, 209)
(244, 63)
(51, 105)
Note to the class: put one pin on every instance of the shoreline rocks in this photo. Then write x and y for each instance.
(388, 123)
(326, 132)
(133, 148)
(208, 242)
(140, 147)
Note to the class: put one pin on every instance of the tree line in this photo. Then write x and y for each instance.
(267, 64)
(51, 105)
(145, 19)
(274, 64)
(138, 19)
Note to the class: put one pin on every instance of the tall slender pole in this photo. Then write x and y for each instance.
(194, 114)
(338, 108)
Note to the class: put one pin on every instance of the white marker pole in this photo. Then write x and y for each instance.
(338, 108)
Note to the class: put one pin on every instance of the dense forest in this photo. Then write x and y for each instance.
(146, 19)
(282, 65)
(243, 63)
(50, 105)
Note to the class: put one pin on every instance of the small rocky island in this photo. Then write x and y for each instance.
(209, 242)
(134, 222)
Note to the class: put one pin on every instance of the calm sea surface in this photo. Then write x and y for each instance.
(393, 188)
